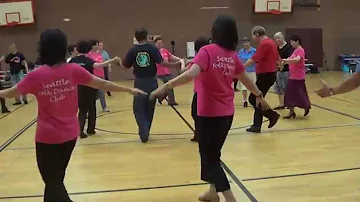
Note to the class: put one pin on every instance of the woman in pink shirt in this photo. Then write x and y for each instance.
(96, 55)
(214, 68)
(164, 73)
(54, 85)
(296, 94)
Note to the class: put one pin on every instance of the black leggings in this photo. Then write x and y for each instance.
(194, 113)
(52, 160)
(212, 132)
(87, 108)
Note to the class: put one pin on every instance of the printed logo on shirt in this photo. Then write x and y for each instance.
(56, 90)
(226, 63)
(143, 59)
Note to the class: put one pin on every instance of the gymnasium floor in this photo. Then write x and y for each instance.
(303, 160)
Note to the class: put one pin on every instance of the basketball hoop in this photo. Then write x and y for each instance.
(275, 12)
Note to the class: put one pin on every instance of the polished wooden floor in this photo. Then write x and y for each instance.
(303, 160)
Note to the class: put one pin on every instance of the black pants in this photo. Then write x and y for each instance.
(2, 100)
(264, 81)
(194, 114)
(212, 132)
(52, 160)
(87, 108)
(143, 107)
(170, 93)
(236, 81)
(106, 73)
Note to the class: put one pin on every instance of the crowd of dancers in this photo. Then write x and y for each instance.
(66, 92)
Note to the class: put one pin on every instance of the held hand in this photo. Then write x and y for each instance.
(2, 58)
(157, 93)
(260, 102)
(136, 91)
(325, 91)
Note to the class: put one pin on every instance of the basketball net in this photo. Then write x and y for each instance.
(12, 24)
(275, 12)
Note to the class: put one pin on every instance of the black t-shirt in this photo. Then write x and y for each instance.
(284, 53)
(85, 62)
(143, 58)
(15, 62)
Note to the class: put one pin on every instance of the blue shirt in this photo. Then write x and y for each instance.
(244, 55)
(105, 56)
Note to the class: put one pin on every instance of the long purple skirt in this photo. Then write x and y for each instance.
(296, 94)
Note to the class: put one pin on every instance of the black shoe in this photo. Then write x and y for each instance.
(26, 102)
(254, 129)
(144, 140)
(91, 132)
(108, 93)
(273, 118)
(246, 104)
(83, 135)
(4, 111)
(173, 104)
(17, 103)
(307, 111)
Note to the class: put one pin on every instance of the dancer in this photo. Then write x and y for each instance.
(95, 55)
(350, 84)
(214, 67)
(244, 54)
(143, 57)
(266, 58)
(54, 86)
(72, 52)
(163, 73)
(18, 65)
(107, 69)
(199, 43)
(4, 109)
(87, 95)
(296, 94)
(285, 50)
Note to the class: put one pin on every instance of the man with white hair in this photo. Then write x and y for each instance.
(285, 50)
(266, 58)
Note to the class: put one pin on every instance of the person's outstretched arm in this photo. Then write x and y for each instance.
(106, 63)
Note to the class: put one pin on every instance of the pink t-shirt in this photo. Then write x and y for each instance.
(97, 57)
(55, 89)
(161, 70)
(214, 87)
(297, 70)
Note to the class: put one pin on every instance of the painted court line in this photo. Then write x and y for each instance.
(186, 138)
(111, 191)
(17, 108)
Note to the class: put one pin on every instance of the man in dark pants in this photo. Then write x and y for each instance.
(143, 57)
(87, 95)
(266, 58)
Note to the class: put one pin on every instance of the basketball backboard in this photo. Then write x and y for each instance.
(273, 6)
(16, 12)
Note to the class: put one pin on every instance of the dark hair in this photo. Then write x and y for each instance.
(94, 42)
(52, 47)
(201, 42)
(225, 33)
(295, 38)
(71, 48)
(259, 31)
(158, 39)
(141, 34)
(245, 39)
(83, 47)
